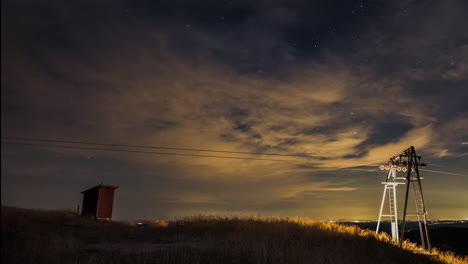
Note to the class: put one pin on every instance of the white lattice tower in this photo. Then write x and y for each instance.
(390, 193)
(410, 163)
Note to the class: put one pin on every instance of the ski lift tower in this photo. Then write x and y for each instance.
(390, 189)
(407, 161)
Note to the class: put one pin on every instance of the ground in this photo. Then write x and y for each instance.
(35, 236)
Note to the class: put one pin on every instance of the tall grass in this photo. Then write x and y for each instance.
(33, 236)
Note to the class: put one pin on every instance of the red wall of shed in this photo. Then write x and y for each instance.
(105, 203)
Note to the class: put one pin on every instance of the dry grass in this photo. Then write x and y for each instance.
(156, 223)
(33, 236)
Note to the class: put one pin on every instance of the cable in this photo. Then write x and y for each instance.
(443, 172)
(137, 151)
(177, 154)
(439, 165)
(158, 147)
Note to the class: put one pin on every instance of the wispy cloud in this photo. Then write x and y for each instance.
(185, 85)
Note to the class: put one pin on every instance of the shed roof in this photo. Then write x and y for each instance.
(101, 186)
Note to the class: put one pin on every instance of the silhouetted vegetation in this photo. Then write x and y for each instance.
(453, 239)
(36, 236)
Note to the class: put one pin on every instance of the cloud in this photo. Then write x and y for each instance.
(179, 81)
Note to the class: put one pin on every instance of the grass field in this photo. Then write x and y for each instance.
(36, 236)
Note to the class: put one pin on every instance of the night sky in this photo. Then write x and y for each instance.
(350, 83)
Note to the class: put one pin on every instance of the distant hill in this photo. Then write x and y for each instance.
(453, 239)
(37, 236)
(447, 235)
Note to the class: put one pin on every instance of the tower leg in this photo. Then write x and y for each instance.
(381, 208)
(408, 177)
(395, 222)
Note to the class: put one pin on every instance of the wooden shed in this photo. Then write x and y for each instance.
(98, 201)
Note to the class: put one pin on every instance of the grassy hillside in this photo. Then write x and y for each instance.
(34, 236)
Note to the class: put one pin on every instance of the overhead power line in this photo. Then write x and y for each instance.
(445, 166)
(158, 147)
(177, 154)
(137, 151)
(443, 172)
(174, 154)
